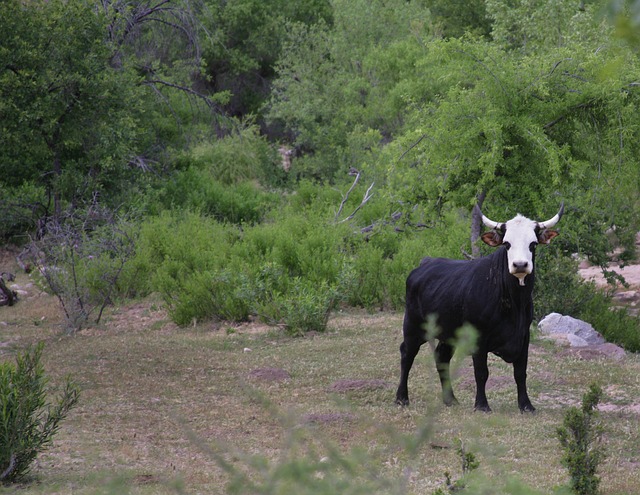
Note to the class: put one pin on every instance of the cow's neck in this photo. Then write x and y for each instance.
(512, 292)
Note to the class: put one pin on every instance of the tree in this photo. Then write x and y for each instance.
(244, 41)
(454, 19)
(79, 87)
(70, 121)
(527, 131)
(340, 89)
(531, 27)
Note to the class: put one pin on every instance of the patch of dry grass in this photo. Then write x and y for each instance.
(155, 398)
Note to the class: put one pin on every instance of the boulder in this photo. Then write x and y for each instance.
(577, 332)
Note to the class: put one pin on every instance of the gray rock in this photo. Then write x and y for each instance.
(579, 333)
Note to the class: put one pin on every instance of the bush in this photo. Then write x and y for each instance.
(80, 259)
(20, 209)
(199, 190)
(367, 286)
(559, 288)
(283, 272)
(307, 307)
(615, 324)
(222, 295)
(240, 157)
(174, 245)
(27, 421)
(579, 437)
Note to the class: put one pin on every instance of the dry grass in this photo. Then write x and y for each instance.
(156, 398)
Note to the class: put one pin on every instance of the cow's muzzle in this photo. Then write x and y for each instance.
(520, 269)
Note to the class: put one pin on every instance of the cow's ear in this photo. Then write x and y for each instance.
(492, 238)
(545, 236)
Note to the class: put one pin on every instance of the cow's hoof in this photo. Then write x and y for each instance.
(482, 408)
(451, 401)
(528, 408)
(402, 401)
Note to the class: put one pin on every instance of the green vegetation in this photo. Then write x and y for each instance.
(27, 421)
(580, 437)
(179, 118)
(275, 162)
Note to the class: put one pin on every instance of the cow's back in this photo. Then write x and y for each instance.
(457, 291)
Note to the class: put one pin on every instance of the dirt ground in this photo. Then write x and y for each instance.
(631, 274)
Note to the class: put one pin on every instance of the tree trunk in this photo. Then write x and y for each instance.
(57, 198)
(476, 226)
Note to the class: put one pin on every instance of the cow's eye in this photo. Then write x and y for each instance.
(507, 245)
(532, 246)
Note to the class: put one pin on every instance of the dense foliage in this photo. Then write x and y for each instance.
(283, 158)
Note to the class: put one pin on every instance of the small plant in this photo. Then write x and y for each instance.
(468, 463)
(580, 440)
(27, 421)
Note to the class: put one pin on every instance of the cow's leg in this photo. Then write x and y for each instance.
(481, 372)
(408, 352)
(414, 337)
(520, 375)
(443, 355)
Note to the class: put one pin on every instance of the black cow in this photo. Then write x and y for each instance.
(493, 293)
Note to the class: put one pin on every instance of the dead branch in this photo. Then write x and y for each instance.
(355, 172)
(367, 196)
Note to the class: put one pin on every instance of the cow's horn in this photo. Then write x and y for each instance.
(554, 220)
(487, 221)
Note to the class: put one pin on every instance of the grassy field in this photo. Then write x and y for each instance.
(167, 410)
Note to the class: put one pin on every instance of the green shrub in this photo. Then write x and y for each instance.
(307, 307)
(282, 272)
(468, 462)
(242, 156)
(20, 209)
(367, 287)
(579, 438)
(199, 190)
(27, 422)
(272, 284)
(316, 196)
(222, 295)
(615, 324)
(559, 287)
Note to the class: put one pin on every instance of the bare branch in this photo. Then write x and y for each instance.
(365, 199)
(412, 146)
(355, 172)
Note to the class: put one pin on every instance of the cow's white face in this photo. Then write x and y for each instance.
(520, 236)
(520, 239)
